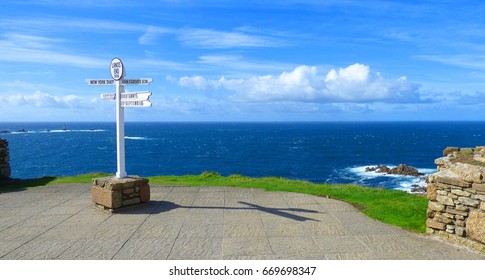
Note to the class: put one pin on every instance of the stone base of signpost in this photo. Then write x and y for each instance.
(113, 194)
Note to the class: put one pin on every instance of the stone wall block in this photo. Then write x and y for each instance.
(479, 187)
(442, 186)
(145, 193)
(431, 191)
(436, 206)
(467, 172)
(442, 219)
(445, 200)
(442, 192)
(107, 198)
(460, 192)
(435, 224)
(460, 231)
(468, 201)
(128, 190)
(461, 207)
(131, 201)
(475, 226)
(113, 193)
(449, 178)
(452, 210)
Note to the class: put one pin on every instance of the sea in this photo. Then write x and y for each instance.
(320, 152)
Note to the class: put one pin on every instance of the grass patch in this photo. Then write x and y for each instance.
(393, 207)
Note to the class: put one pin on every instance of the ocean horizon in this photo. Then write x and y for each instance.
(320, 152)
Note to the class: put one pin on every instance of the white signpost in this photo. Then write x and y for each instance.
(132, 99)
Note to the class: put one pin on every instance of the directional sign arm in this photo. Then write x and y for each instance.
(100, 82)
(142, 81)
(141, 95)
(135, 103)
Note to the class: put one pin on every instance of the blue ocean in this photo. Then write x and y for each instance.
(323, 152)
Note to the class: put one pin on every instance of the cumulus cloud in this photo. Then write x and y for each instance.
(353, 84)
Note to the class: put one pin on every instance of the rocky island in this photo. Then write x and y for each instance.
(401, 169)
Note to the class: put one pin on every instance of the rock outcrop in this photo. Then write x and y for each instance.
(401, 169)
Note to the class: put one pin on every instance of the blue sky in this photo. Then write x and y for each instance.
(245, 60)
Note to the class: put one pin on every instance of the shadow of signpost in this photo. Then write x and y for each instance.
(157, 207)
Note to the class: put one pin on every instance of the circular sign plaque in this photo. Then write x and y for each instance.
(116, 69)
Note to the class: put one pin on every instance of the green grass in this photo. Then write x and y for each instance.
(397, 208)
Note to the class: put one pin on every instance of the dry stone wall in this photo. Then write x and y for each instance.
(456, 194)
(4, 159)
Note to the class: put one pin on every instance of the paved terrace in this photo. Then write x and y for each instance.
(59, 222)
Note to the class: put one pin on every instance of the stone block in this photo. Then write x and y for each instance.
(468, 172)
(452, 210)
(480, 197)
(452, 196)
(460, 223)
(107, 198)
(468, 201)
(482, 206)
(459, 192)
(128, 190)
(461, 207)
(435, 224)
(448, 177)
(475, 226)
(144, 193)
(431, 191)
(442, 192)
(442, 218)
(479, 187)
(442, 186)
(445, 200)
(436, 206)
(131, 201)
(460, 231)
(112, 192)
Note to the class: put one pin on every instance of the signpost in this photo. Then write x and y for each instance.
(132, 99)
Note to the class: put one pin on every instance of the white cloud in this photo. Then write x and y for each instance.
(352, 84)
(462, 60)
(45, 100)
(27, 48)
(152, 33)
(208, 38)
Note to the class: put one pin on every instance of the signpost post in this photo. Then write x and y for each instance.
(132, 99)
(111, 193)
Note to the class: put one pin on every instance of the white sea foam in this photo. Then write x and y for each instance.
(395, 181)
(57, 131)
(136, 138)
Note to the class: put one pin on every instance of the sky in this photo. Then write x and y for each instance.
(214, 60)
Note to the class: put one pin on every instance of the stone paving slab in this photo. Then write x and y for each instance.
(191, 223)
